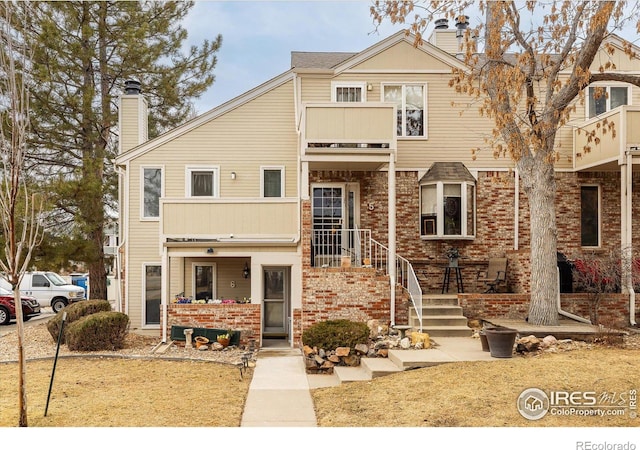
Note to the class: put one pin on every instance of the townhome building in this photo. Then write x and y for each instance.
(335, 190)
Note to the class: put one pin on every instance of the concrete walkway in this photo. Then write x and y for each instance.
(279, 392)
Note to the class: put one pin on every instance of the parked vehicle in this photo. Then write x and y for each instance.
(30, 307)
(50, 289)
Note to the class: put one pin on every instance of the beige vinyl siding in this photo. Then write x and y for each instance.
(261, 132)
(403, 56)
(620, 60)
(133, 117)
(633, 131)
(227, 270)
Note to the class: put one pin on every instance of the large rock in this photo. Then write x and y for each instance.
(343, 351)
(334, 359)
(528, 344)
(351, 360)
(319, 361)
(405, 343)
(374, 328)
(420, 337)
(383, 353)
(308, 350)
(362, 349)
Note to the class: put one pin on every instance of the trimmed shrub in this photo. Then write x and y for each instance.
(74, 312)
(104, 330)
(332, 334)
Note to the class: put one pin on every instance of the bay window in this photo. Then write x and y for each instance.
(447, 204)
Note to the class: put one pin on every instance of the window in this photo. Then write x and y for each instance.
(411, 103)
(202, 182)
(605, 98)
(152, 293)
(590, 216)
(272, 182)
(39, 281)
(447, 203)
(348, 92)
(152, 191)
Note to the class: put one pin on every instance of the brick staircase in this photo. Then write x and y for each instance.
(441, 317)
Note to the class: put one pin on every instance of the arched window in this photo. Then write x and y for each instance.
(447, 202)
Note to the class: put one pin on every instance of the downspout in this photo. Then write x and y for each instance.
(392, 235)
(627, 224)
(164, 276)
(516, 211)
(565, 313)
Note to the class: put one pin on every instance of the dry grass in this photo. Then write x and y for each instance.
(481, 394)
(114, 392)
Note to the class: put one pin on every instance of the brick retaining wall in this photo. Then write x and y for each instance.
(239, 317)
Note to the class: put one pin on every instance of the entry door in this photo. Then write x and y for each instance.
(276, 301)
(335, 210)
(204, 281)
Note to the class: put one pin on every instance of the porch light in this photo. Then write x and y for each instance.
(245, 271)
(233, 175)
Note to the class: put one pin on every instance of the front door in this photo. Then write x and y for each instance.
(203, 281)
(335, 221)
(276, 302)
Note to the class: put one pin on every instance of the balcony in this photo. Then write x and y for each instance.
(601, 142)
(353, 136)
(252, 220)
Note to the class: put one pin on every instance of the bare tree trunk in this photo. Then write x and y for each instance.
(22, 377)
(541, 192)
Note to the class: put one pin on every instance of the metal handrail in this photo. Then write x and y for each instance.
(405, 276)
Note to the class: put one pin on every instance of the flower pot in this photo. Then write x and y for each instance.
(501, 341)
(484, 342)
(224, 342)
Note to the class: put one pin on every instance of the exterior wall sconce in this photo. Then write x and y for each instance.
(233, 175)
(245, 271)
(369, 87)
(210, 250)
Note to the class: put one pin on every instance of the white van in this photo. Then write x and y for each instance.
(50, 289)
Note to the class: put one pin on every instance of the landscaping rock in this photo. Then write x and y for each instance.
(362, 349)
(405, 343)
(351, 360)
(307, 351)
(334, 359)
(343, 351)
(383, 353)
(528, 344)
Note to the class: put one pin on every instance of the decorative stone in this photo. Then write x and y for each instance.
(307, 350)
(217, 346)
(549, 340)
(343, 351)
(327, 365)
(383, 353)
(203, 347)
(334, 359)
(419, 345)
(319, 360)
(310, 363)
(419, 337)
(322, 353)
(381, 344)
(405, 343)
(528, 344)
(374, 328)
(351, 360)
(362, 349)
(474, 323)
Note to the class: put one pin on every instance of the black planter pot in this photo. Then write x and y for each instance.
(501, 341)
(484, 342)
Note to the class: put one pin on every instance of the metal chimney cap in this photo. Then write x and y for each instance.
(132, 87)
(442, 24)
(462, 22)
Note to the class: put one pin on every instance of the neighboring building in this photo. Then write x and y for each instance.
(296, 194)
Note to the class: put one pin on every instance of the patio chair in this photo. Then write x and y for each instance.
(495, 275)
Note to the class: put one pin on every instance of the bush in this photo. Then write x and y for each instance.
(74, 312)
(104, 330)
(332, 334)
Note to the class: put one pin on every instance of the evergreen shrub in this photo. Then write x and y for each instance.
(331, 334)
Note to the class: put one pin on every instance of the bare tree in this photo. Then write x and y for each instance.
(536, 62)
(19, 211)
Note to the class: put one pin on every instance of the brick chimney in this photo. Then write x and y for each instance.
(132, 117)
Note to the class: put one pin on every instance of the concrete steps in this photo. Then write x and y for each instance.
(441, 317)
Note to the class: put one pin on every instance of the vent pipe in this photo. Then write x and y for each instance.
(442, 24)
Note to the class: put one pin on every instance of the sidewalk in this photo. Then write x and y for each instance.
(279, 392)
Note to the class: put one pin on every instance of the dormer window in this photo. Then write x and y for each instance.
(447, 202)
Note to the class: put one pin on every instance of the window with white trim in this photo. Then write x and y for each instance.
(272, 181)
(590, 216)
(411, 101)
(601, 99)
(348, 92)
(202, 182)
(151, 192)
(152, 293)
(447, 209)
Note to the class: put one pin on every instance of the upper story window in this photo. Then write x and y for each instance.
(605, 98)
(202, 182)
(272, 181)
(411, 101)
(590, 216)
(348, 92)
(447, 202)
(151, 192)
